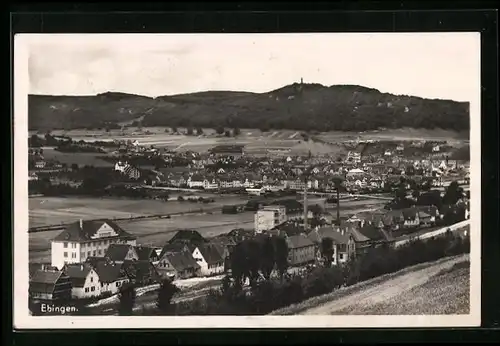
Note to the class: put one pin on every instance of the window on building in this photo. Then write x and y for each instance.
(118, 283)
(91, 279)
(88, 253)
(86, 290)
(65, 254)
(73, 255)
(94, 253)
(99, 251)
(73, 245)
(92, 288)
(65, 245)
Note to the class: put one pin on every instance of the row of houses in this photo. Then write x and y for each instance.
(99, 257)
(124, 263)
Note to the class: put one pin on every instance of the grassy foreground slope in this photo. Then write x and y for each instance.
(441, 287)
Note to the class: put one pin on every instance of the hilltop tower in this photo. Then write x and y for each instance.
(300, 86)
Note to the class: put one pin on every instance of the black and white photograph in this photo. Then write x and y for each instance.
(247, 180)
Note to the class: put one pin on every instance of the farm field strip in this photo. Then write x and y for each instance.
(56, 210)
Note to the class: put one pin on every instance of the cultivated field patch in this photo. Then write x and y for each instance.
(81, 159)
(56, 210)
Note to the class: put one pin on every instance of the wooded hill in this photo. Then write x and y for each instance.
(295, 107)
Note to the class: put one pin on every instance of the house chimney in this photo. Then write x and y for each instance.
(81, 224)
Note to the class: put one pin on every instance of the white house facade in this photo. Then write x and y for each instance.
(84, 239)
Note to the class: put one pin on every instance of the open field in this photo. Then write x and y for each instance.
(440, 287)
(155, 232)
(258, 142)
(56, 210)
(81, 159)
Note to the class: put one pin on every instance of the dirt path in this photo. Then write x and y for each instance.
(382, 292)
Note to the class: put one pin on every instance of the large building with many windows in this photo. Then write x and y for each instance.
(83, 239)
(269, 217)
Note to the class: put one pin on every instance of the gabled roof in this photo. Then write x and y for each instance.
(223, 240)
(73, 232)
(108, 272)
(210, 253)
(78, 273)
(173, 247)
(409, 213)
(187, 235)
(46, 276)
(34, 267)
(182, 260)
(144, 253)
(118, 252)
(44, 280)
(298, 241)
(367, 233)
(328, 232)
(93, 260)
(139, 270)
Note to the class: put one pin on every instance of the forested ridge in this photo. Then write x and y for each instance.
(296, 107)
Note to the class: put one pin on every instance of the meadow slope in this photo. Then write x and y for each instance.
(441, 287)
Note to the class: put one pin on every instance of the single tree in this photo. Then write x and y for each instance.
(219, 130)
(236, 132)
(227, 133)
(127, 300)
(327, 251)
(226, 286)
(174, 129)
(199, 131)
(268, 258)
(453, 193)
(281, 253)
(166, 292)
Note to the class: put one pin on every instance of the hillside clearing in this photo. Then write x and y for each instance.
(440, 287)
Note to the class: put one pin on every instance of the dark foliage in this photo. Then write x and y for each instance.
(127, 300)
(269, 295)
(327, 250)
(165, 294)
(339, 107)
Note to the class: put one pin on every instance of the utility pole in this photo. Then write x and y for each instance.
(306, 172)
(306, 179)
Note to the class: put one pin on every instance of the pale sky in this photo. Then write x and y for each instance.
(432, 65)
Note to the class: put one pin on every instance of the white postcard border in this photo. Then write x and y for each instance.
(23, 320)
